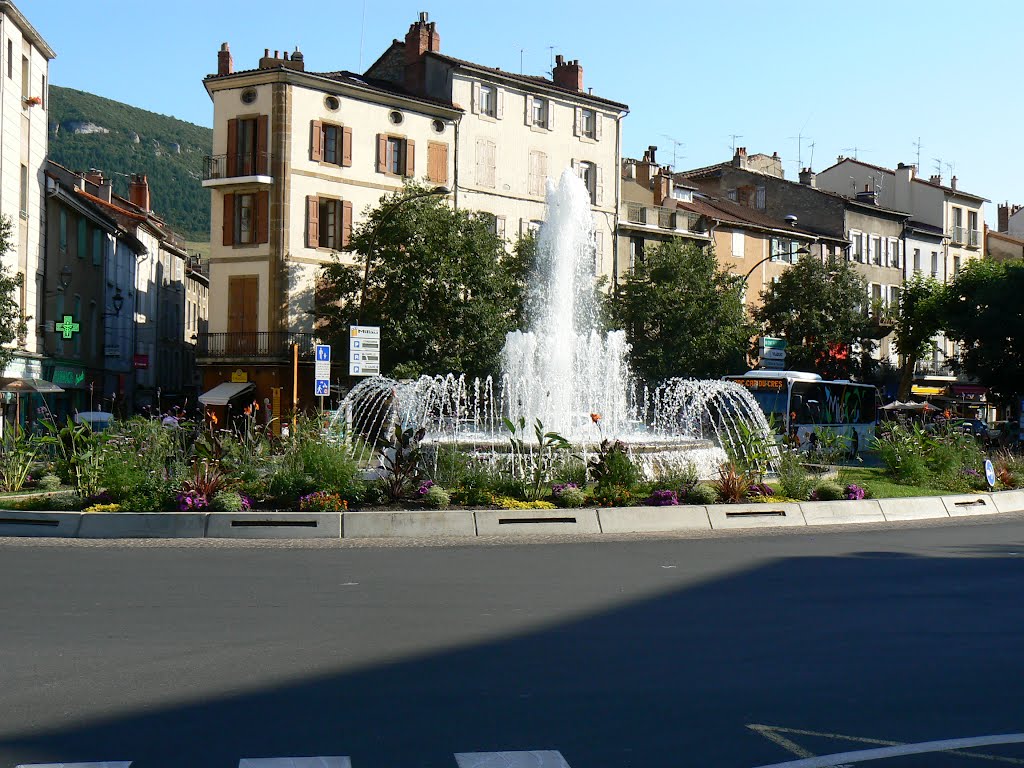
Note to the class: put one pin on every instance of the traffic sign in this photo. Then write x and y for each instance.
(322, 371)
(364, 350)
(322, 388)
(990, 473)
(770, 353)
(770, 342)
(773, 365)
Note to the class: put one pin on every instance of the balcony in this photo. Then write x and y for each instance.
(249, 168)
(652, 218)
(956, 235)
(254, 346)
(934, 369)
(973, 238)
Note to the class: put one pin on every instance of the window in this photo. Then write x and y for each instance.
(588, 124)
(486, 155)
(731, 194)
(396, 149)
(533, 226)
(330, 224)
(917, 260)
(539, 112)
(23, 198)
(395, 155)
(894, 296)
(956, 264)
(785, 250)
(588, 175)
(26, 84)
(83, 238)
(935, 263)
(858, 246)
(737, 243)
(63, 234)
(759, 199)
(636, 251)
(248, 96)
(972, 228)
(331, 144)
(245, 219)
(496, 225)
(333, 103)
(538, 173)
(488, 101)
(247, 146)
(396, 117)
(876, 250)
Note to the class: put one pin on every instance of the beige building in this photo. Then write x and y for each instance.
(300, 157)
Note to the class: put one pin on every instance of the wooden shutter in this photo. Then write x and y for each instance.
(316, 141)
(437, 162)
(382, 153)
(499, 97)
(346, 147)
(577, 126)
(312, 221)
(550, 115)
(528, 117)
(228, 225)
(599, 191)
(232, 156)
(410, 157)
(262, 123)
(531, 179)
(475, 101)
(597, 125)
(346, 223)
(236, 303)
(262, 217)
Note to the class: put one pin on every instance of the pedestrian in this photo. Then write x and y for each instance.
(267, 414)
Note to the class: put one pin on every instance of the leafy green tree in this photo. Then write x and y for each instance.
(983, 312)
(437, 286)
(818, 307)
(917, 319)
(12, 326)
(682, 314)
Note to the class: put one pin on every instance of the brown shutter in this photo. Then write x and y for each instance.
(236, 304)
(316, 142)
(262, 217)
(262, 124)
(382, 153)
(346, 147)
(312, 222)
(410, 157)
(229, 220)
(346, 223)
(232, 156)
(437, 162)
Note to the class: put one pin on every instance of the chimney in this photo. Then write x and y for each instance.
(935, 178)
(568, 74)
(869, 196)
(739, 160)
(138, 191)
(278, 60)
(662, 188)
(94, 177)
(421, 38)
(905, 172)
(952, 182)
(225, 64)
(808, 178)
(645, 168)
(629, 169)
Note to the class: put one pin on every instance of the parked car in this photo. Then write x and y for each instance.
(975, 427)
(1003, 433)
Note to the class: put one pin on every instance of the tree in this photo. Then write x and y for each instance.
(982, 311)
(682, 314)
(437, 287)
(12, 325)
(818, 307)
(918, 318)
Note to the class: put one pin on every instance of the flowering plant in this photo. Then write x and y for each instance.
(192, 501)
(425, 486)
(559, 488)
(34, 101)
(322, 501)
(662, 498)
(854, 492)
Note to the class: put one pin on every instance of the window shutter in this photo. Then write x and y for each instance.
(479, 161)
(542, 173)
(599, 191)
(499, 227)
(524, 227)
(346, 147)
(476, 99)
(263, 217)
(499, 110)
(346, 223)
(382, 153)
(312, 222)
(551, 115)
(228, 225)
(577, 121)
(528, 112)
(531, 179)
(597, 125)
(316, 142)
(599, 249)
(232, 157)
(492, 163)
(410, 158)
(262, 124)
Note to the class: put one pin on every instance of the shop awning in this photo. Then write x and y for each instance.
(225, 392)
(29, 385)
(927, 391)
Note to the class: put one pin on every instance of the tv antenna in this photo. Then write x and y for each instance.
(855, 150)
(799, 149)
(675, 146)
(734, 136)
(938, 167)
(917, 146)
(811, 163)
(551, 58)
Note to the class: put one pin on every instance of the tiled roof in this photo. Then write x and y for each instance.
(732, 213)
(917, 178)
(110, 206)
(1005, 236)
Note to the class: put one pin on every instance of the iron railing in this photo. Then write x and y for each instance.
(956, 234)
(255, 344)
(659, 217)
(974, 238)
(933, 368)
(231, 166)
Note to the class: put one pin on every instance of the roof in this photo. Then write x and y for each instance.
(1007, 237)
(926, 229)
(532, 80)
(225, 392)
(733, 213)
(916, 178)
(27, 29)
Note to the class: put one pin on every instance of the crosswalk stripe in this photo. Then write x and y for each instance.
(114, 764)
(295, 762)
(533, 759)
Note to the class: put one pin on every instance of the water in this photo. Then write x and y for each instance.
(566, 373)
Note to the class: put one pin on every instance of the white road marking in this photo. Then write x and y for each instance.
(115, 764)
(295, 762)
(773, 733)
(946, 745)
(534, 759)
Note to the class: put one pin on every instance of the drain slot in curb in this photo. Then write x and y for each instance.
(517, 520)
(974, 503)
(273, 523)
(18, 521)
(758, 513)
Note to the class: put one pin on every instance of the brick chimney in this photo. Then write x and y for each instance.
(935, 178)
(421, 38)
(952, 183)
(101, 187)
(138, 191)
(225, 64)
(645, 168)
(662, 187)
(808, 178)
(739, 160)
(567, 74)
(282, 60)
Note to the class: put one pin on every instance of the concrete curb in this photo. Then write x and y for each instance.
(498, 522)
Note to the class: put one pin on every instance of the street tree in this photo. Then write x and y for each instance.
(917, 319)
(982, 312)
(682, 314)
(436, 286)
(12, 325)
(818, 307)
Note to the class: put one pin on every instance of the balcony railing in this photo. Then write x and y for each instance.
(657, 217)
(974, 238)
(233, 166)
(260, 345)
(932, 368)
(956, 234)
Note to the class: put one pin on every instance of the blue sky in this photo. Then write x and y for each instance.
(869, 75)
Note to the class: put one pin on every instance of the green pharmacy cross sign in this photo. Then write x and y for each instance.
(68, 328)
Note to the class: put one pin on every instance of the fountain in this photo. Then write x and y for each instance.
(564, 372)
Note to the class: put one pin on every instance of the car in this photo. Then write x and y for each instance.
(975, 427)
(1003, 433)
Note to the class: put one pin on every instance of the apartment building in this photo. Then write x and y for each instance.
(301, 156)
(24, 104)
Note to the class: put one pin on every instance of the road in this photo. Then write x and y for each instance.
(731, 650)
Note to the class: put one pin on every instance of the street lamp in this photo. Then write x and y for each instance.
(117, 302)
(384, 214)
(803, 250)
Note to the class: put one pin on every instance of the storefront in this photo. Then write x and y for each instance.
(964, 401)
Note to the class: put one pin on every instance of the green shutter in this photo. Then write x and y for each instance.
(97, 247)
(83, 241)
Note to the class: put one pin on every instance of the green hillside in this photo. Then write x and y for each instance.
(88, 131)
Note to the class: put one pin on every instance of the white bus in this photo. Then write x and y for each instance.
(800, 404)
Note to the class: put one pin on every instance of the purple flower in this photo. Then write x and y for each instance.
(560, 488)
(425, 486)
(854, 492)
(662, 498)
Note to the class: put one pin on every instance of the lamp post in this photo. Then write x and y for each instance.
(384, 214)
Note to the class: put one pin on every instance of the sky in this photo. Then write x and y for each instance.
(867, 79)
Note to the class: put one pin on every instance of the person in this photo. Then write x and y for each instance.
(267, 414)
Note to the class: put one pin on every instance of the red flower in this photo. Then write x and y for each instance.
(595, 417)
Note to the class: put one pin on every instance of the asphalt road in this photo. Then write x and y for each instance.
(657, 652)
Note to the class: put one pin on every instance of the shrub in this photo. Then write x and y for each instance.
(571, 498)
(612, 496)
(323, 501)
(612, 467)
(48, 483)
(100, 508)
(855, 493)
(437, 497)
(701, 494)
(662, 498)
(506, 503)
(570, 470)
(732, 484)
(151, 494)
(795, 482)
(375, 495)
(230, 501)
(681, 478)
(472, 496)
(828, 490)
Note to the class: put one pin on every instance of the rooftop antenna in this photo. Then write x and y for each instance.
(855, 150)
(938, 167)
(950, 167)
(917, 146)
(734, 136)
(520, 61)
(362, 32)
(675, 145)
(551, 57)
(800, 144)
(811, 163)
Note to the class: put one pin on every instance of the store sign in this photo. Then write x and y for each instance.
(68, 328)
(239, 377)
(140, 362)
(68, 377)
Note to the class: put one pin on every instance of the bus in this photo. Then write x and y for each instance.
(800, 404)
